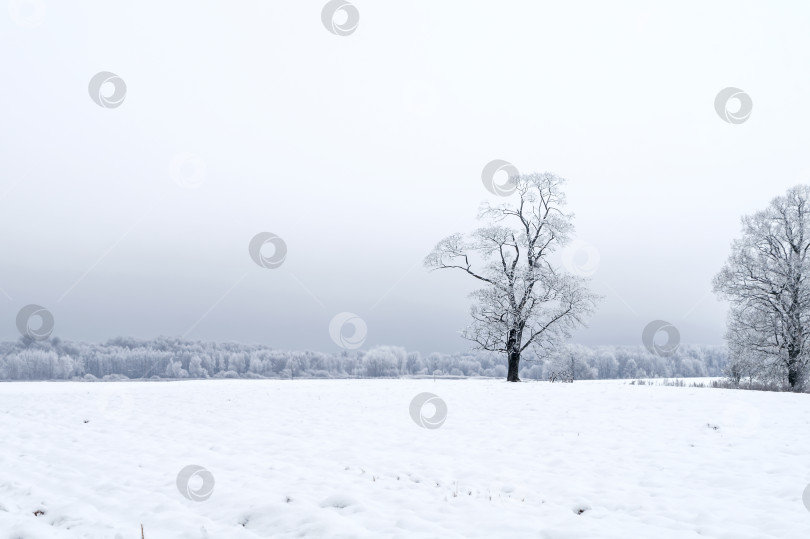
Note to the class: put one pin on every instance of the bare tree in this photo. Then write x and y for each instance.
(765, 280)
(742, 363)
(571, 363)
(525, 300)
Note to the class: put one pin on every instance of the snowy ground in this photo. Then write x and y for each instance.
(344, 459)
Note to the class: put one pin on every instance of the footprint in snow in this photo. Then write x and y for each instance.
(339, 501)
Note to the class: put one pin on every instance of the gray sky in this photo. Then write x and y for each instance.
(362, 151)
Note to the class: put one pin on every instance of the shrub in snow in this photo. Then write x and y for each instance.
(560, 376)
(580, 507)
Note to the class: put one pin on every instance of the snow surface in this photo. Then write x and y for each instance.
(343, 458)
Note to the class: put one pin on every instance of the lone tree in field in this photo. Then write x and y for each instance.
(525, 300)
(766, 281)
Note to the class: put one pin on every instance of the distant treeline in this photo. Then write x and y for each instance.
(168, 357)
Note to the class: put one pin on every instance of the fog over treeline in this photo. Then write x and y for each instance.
(169, 357)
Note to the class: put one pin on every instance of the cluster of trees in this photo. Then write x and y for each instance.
(521, 317)
(168, 357)
(529, 306)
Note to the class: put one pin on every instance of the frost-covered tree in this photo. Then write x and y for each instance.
(525, 301)
(175, 358)
(606, 365)
(574, 362)
(630, 369)
(384, 361)
(742, 364)
(175, 370)
(414, 363)
(766, 281)
(195, 368)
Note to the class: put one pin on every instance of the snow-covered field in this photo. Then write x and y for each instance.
(343, 458)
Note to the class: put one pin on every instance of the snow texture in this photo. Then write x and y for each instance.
(344, 458)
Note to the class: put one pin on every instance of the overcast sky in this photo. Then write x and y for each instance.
(362, 151)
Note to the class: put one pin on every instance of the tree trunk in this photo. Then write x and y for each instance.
(793, 366)
(513, 353)
(514, 364)
(794, 334)
(793, 374)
